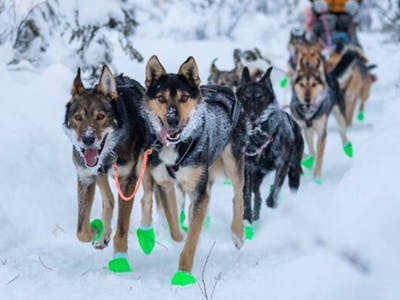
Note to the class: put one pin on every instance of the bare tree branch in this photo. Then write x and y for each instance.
(44, 265)
(13, 279)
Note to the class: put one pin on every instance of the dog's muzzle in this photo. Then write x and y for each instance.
(91, 154)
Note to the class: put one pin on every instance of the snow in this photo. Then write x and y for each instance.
(302, 250)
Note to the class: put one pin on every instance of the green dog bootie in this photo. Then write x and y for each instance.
(249, 232)
(284, 82)
(308, 162)
(318, 181)
(147, 239)
(183, 278)
(348, 149)
(119, 264)
(97, 225)
(207, 222)
(182, 219)
(228, 182)
(361, 116)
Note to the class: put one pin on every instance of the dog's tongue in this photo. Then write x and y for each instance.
(91, 156)
(163, 136)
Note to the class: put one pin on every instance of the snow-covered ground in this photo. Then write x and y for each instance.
(336, 241)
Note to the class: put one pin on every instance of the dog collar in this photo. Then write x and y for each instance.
(172, 169)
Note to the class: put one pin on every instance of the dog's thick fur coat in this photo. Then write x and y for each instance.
(195, 129)
(105, 126)
(275, 143)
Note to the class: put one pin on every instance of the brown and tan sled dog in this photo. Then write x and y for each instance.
(105, 126)
(356, 81)
(197, 130)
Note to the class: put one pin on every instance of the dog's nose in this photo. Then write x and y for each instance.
(172, 117)
(173, 120)
(308, 100)
(88, 140)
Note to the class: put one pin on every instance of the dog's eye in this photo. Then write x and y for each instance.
(161, 99)
(78, 117)
(313, 84)
(184, 98)
(100, 116)
(302, 84)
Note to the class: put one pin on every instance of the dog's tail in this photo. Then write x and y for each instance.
(343, 69)
(295, 170)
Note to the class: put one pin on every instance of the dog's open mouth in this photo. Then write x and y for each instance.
(92, 155)
(170, 135)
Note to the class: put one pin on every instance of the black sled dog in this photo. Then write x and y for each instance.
(275, 143)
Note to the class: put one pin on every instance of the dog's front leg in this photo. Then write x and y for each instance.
(124, 214)
(167, 196)
(248, 178)
(147, 201)
(258, 177)
(309, 136)
(320, 127)
(108, 208)
(200, 197)
(86, 189)
(340, 119)
(280, 174)
(234, 167)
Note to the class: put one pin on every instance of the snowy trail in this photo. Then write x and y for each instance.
(298, 249)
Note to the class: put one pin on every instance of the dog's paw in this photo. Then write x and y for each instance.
(272, 202)
(238, 232)
(256, 216)
(178, 236)
(100, 244)
(238, 239)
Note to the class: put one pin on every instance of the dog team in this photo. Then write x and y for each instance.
(174, 136)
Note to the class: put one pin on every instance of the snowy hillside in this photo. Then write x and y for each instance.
(336, 241)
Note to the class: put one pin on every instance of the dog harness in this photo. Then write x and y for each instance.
(259, 138)
(301, 112)
(211, 94)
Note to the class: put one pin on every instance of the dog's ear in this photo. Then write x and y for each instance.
(77, 86)
(267, 78)
(213, 69)
(267, 74)
(154, 71)
(107, 85)
(245, 76)
(258, 52)
(237, 55)
(190, 71)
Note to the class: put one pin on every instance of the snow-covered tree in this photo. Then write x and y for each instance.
(89, 38)
(7, 20)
